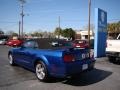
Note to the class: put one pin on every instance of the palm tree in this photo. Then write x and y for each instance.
(58, 31)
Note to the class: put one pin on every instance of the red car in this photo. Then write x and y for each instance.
(14, 42)
(80, 44)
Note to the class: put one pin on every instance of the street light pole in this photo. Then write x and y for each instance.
(22, 15)
(59, 21)
(19, 28)
(89, 12)
(59, 27)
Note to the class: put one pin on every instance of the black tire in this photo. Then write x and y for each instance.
(111, 59)
(41, 71)
(11, 60)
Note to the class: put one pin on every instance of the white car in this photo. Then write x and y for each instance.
(113, 49)
(2, 41)
(55, 43)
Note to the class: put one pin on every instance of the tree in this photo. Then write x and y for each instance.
(14, 34)
(10, 32)
(69, 33)
(51, 35)
(37, 34)
(1, 32)
(113, 28)
(58, 31)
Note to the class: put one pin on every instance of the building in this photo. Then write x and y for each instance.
(83, 34)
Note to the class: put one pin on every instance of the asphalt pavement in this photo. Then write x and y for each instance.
(105, 76)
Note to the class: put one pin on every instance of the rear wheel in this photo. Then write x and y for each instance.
(115, 60)
(41, 71)
(111, 59)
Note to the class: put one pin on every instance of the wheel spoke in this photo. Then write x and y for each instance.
(42, 74)
(40, 71)
(10, 59)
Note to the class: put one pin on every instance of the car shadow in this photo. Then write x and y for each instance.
(85, 78)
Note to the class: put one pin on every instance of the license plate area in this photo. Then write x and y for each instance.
(83, 56)
(84, 66)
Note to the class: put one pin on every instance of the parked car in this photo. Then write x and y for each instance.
(62, 43)
(55, 43)
(113, 49)
(14, 42)
(92, 43)
(58, 62)
(80, 44)
(3, 41)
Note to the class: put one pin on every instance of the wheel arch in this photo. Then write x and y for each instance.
(44, 60)
(9, 53)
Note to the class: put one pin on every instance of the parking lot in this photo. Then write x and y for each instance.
(105, 76)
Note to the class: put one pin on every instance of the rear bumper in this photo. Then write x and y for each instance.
(72, 68)
(79, 66)
(113, 54)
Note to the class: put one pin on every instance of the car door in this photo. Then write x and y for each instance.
(26, 54)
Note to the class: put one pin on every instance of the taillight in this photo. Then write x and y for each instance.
(91, 54)
(69, 58)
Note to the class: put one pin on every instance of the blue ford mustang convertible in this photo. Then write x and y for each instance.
(56, 62)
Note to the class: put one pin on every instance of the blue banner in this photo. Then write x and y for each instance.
(100, 32)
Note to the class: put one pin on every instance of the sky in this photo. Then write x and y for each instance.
(42, 15)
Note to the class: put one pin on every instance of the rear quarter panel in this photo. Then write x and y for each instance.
(53, 60)
(77, 65)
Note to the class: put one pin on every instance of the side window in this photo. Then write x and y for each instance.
(30, 44)
(36, 45)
